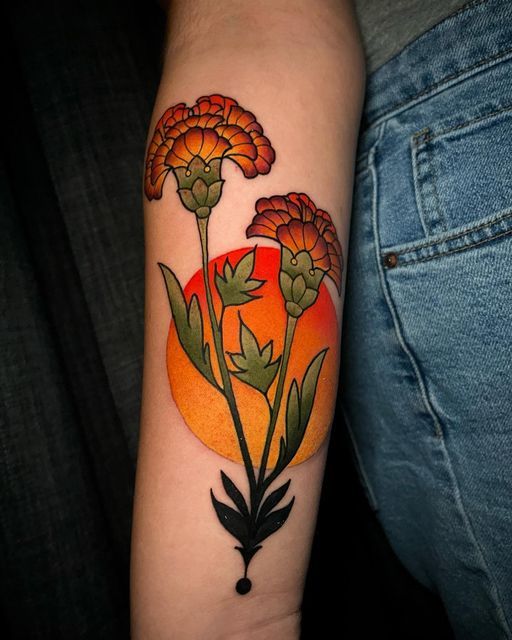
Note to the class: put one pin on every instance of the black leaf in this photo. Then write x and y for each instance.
(273, 522)
(235, 494)
(231, 520)
(248, 553)
(272, 501)
(282, 458)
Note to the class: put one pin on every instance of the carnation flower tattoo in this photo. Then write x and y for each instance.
(192, 142)
(238, 289)
(310, 246)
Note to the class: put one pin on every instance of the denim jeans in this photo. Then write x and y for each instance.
(427, 349)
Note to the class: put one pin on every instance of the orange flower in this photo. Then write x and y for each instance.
(296, 223)
(214, 128)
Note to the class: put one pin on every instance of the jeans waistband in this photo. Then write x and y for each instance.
(477, 35)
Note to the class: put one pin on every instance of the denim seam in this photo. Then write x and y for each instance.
(425, 186)
(493, 586)
(416, 175)
(433, 171)
(459, 234)
(364, 479)
(423, 135)
(438, 86)
(457, 250)
(394, 315)
(494, 589)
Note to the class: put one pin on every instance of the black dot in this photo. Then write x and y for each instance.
(243, 586)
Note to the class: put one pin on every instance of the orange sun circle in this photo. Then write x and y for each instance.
(205, 410)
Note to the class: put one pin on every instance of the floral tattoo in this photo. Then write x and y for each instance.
(270, 398)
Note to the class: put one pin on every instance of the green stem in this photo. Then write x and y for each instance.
(288, 339)
(202, 225)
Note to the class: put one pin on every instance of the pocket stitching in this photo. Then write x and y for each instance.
(421, 385)
(426, 135)
(426, 180)
(458, 249)
(447, 238)
(425, 185)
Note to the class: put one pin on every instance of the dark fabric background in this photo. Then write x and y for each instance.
(79, 83)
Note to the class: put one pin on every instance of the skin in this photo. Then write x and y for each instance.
(298, 67)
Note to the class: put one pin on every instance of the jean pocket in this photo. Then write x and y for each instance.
(462, 172)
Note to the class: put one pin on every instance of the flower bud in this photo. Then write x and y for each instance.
(200, 185)
(299, 281)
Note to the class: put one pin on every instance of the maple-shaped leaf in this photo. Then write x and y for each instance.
(254, 365)
(235, 285)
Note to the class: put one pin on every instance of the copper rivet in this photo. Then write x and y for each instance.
(390, 260)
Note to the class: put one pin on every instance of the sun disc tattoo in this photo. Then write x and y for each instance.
(242, 366)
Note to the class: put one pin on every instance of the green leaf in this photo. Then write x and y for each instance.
(254, 366)
(187, 197)
(298, 288)
(200, 191)
(248, 342)
(228, 269)
(189, 325)
(293, 421)
(298, 410)
(235, 285)
(309, 386)
(245, 265)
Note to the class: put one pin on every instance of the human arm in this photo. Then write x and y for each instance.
(298, 68)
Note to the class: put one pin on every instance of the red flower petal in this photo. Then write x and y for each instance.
(179, 155)
(243, 149)
(262, 166)
(285, 238)
(215, 104)
(177, 139)
(246, 164)
(260, 230)
(155, 174)
(319, 254)
(311, 236)
(213, 151)
(297, 233)
(268, 218)
(153, 189)
(275, 202)
(262, 204)
(193, 140)
(243, 119)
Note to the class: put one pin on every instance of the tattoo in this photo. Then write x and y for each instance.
(262, 382)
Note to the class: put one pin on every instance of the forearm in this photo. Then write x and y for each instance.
(297, 67)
